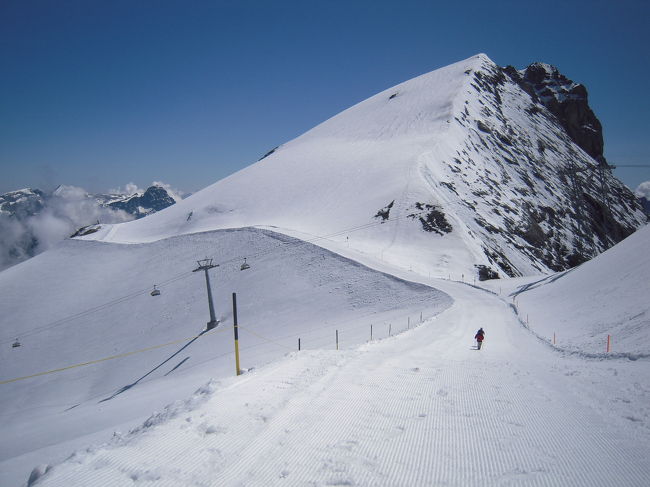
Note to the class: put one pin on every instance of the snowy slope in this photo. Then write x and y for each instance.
(424, 408)
(86, 301)
(609, 295)
(471, 169)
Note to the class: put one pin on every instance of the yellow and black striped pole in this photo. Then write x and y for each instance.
(234, 313)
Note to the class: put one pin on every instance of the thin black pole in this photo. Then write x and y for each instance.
(236, 330)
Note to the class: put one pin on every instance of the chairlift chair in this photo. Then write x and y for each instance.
(16, 344)
(245, 266)
(155, 291)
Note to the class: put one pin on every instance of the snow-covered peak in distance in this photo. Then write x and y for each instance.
(459, 171)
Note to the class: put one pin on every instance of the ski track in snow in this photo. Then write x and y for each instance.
(422, 408)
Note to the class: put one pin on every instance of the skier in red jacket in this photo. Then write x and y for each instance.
(479, 337)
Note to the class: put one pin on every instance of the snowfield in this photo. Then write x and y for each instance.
(422, 408)
(94, 305)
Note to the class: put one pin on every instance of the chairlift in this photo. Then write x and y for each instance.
(155, 291)
(244, 266)
(16, 344)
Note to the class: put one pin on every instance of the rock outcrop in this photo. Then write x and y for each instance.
(565, 99)
(155, 198)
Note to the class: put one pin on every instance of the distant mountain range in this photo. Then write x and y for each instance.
(25, 203)
(32, 220)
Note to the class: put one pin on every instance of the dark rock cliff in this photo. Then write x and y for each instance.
(565, 99)
(155, 198)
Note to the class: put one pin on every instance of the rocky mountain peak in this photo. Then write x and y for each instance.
(565, 99)
(22, 203)
(155, 198)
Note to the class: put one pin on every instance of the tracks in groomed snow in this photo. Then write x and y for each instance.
(422, 408)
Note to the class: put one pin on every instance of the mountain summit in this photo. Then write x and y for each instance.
(471, 169)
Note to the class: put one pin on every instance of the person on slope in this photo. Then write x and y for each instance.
(479, 337)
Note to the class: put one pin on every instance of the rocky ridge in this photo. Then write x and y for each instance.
(531, 171)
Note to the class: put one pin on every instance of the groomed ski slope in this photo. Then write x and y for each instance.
(89, 303)
(421, 408)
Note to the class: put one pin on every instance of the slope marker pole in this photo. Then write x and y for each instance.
(609, 343)
(337, 339)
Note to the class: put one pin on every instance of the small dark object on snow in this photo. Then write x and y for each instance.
(479, 337)
(155, 291)
(16, 344)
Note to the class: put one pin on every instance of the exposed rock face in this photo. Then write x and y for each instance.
(565, 99)
(155, 198)
(22, 203)
(527, 189)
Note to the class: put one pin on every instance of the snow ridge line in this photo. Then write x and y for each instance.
(287, 240)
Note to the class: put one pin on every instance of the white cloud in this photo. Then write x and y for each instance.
(68, 209)
(643, 190)
(129, 189)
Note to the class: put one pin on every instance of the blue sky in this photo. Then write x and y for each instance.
(101, 93)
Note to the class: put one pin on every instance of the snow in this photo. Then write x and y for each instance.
(292, 290)
(422, 147)
(420, 408)
(582, 315)
(423, 408)
(145, 396)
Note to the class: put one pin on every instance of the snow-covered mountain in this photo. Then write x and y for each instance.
(153, 199)
(22, 203)
(479, 175)
(32, 220)
(466, 172)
